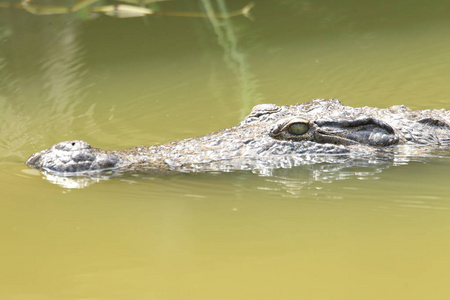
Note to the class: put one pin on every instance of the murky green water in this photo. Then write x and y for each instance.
(316, 232)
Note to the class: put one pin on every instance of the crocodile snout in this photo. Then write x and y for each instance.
(74, 157)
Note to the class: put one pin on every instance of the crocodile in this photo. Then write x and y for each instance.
(270, 137)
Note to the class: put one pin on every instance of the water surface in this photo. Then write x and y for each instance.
(315, 232)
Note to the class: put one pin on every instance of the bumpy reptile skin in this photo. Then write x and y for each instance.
(265, 139)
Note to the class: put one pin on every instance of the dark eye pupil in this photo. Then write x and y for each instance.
(298, 128)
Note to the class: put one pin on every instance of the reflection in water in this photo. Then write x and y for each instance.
(14, 123)
(289, 182)
(51, 75)
(63, 70)
(73, 183)
(7, 83)
(235, 59)
(375, 185)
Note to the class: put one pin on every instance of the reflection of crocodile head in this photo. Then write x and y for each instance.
(270, 137)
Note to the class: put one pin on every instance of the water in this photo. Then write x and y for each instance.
(315, 232)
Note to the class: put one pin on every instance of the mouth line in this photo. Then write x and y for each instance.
(364, 131)
(362, 136)
(326, 137)
(363, 122)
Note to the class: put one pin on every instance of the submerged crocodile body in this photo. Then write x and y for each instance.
(270, 137)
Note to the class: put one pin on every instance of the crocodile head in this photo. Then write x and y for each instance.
(269, 137)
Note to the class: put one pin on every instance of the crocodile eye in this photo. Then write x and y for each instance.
(298, 128)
